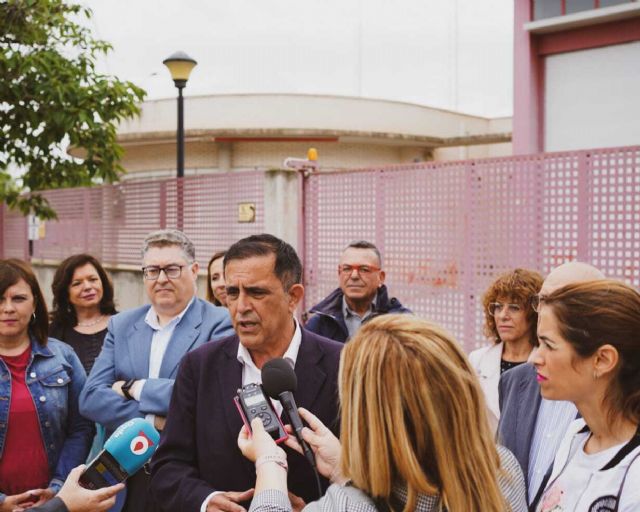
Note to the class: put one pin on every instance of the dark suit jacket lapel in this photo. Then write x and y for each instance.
(139, 346)
(182, 340)
(528, 405)
(229, 376)
(310, 375)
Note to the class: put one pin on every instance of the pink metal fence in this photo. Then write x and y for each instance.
(111, 221)
(447, 229)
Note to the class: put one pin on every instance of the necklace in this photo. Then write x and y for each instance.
(91, 323)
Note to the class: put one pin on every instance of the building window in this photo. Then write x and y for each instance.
(549, 8)
(579, 5)
(607, 3)
(546, 9)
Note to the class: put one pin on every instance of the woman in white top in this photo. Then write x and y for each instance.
(510, 325)
(589, 354)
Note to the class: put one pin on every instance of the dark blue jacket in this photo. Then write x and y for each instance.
(328, 320)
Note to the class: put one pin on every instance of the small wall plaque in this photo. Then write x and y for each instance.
(246, 212)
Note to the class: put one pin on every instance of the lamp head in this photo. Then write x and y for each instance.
(180, 66)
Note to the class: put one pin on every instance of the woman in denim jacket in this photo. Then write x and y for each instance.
(42, 435)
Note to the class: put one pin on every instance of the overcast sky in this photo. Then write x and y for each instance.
(453, 54)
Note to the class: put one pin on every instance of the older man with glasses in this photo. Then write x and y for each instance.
(530, 426)
(134, 374)
(362, 295)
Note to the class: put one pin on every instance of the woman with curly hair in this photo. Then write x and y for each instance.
(510, 324)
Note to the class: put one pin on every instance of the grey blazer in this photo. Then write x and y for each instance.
(519, 398)
(351, 499)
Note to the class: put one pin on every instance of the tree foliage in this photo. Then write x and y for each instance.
(52, 96)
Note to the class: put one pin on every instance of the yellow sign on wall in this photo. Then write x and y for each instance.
(246, 212)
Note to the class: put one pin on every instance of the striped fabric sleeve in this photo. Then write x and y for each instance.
(270, 500)
(511, 481)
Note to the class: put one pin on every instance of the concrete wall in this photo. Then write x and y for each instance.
(157, 160)
(162, 156)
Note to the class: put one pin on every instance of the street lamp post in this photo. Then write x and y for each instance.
(180, 66)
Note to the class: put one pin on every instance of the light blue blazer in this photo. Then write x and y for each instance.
(125, 355)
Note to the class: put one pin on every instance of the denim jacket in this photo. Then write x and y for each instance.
(54, 377)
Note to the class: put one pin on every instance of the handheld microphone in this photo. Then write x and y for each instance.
(125, 452)
(280, 381)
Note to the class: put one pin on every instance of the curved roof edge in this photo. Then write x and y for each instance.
(295, 115)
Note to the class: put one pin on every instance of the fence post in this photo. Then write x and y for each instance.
(583, 213)
(86, 217)
(380, 210)
(283, 205)
(163, 204)
(469, 263)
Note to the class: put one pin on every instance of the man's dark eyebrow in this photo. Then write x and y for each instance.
(256, 289)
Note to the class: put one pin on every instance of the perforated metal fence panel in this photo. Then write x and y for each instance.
(446, 230)
(111, 221)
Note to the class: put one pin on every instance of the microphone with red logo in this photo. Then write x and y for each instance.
(125, 452)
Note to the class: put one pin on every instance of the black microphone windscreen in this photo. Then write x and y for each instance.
(278, 376)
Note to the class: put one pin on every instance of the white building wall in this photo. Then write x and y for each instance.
(592, 98)
(162, 156)
(330, 154)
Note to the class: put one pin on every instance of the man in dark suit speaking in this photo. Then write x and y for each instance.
(198, 466)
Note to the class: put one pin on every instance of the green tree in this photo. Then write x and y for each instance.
(52, 96)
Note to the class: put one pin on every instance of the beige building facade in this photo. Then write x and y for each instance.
(238, 132)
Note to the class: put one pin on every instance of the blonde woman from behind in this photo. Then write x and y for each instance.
(414, 432)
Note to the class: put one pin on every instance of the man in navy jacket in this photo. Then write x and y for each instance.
(361, 296)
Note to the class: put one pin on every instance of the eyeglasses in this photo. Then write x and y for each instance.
(497, 307)
(152, 273)
(536, 302)
(363, 270)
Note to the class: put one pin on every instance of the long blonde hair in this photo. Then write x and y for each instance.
(413, 414)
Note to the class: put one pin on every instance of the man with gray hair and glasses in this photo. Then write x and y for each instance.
(134, 374)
